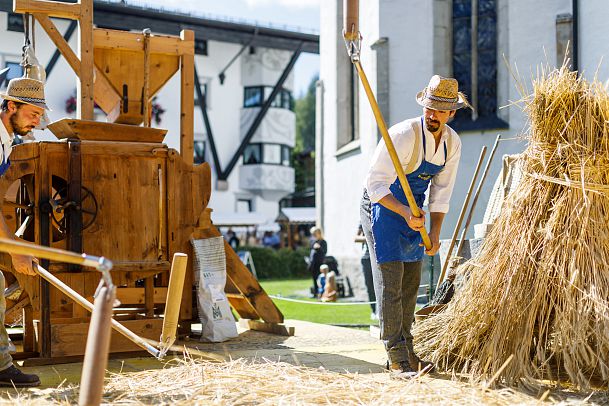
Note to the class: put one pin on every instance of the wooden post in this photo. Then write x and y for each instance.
(43, 237)
(149, 295)
(187, 105)
(146, 90)
(98, 346)
(28, 328)
(84, 87)
(174, 299)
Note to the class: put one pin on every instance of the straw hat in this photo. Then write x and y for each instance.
(26, 90)
(442, 94)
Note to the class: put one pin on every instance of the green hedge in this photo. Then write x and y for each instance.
(278, 264)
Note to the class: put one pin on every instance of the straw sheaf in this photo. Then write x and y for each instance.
(535, 303)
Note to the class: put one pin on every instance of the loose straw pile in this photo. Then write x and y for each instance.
(539, 290)
(242, 382)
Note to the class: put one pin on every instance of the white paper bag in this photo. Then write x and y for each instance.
(214, 311)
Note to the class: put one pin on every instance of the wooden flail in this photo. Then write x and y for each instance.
(113, 189)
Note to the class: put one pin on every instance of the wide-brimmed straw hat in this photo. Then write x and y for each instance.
(26, 90)
(442, 94)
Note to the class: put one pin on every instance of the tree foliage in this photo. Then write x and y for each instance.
(303, 154)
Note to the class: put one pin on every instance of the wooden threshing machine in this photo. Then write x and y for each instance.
(113, 189)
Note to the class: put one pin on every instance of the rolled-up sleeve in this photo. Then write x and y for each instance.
(382, 173)
(442, 184)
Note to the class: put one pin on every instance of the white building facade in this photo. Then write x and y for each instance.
(405, 42)
(237, 67)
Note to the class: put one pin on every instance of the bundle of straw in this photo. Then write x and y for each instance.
(535, 304)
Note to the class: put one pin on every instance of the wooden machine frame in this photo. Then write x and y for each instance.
(114, 189)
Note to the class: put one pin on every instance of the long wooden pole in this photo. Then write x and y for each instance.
(75, 296)
(414, 208)
(461, 216)
(351, 20)
(351, 36)
(18, 247)
(53, 254)
(98, 346)
(476, 195)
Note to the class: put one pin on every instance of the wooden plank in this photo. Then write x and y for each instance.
(149, 296)
(139, 269)
(114, 150)
(71, 11)
(77, 282)
(130, 41)
(128, 206)
(59, 41)
(70, 339)
(242, 306)
(187, 76)
(84, 87)
(105, 95)
(273, 328)
(136, 296)
(43, 234)
(100, 131)
(181, 223)
(28, 329)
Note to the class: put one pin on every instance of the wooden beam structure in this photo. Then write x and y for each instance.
(125, 16)
(187, 77)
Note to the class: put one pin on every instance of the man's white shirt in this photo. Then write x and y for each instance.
(7, 142)
(382, 173)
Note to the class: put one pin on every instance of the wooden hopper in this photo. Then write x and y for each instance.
(121, 58)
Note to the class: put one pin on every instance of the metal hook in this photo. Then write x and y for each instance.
(353, 47)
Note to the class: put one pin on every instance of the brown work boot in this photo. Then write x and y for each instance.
(401, 370)
(11, 376)
(419, 365)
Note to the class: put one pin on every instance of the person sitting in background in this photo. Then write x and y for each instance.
(267, 239)
(326, 284)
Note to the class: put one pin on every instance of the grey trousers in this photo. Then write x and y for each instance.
(396, 285)
(5, 358)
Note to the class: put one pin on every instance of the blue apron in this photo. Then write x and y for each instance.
(4, 166)
(394, 240)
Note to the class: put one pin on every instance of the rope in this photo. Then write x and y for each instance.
(325, 303)
(320, 303)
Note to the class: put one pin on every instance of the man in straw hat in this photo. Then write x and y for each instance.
(429, 151)
(22, 108)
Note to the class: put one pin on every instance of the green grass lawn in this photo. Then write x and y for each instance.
(324, 314)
